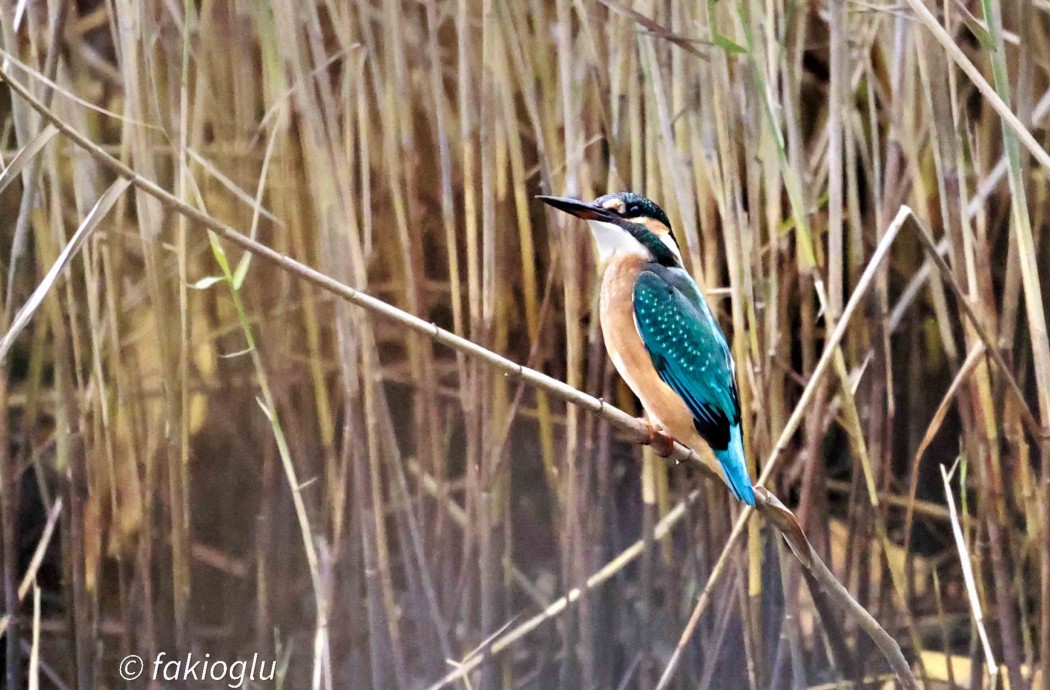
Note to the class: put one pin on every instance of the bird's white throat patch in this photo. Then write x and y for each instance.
(612, 239)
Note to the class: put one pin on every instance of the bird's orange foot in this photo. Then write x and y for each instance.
(661, 442)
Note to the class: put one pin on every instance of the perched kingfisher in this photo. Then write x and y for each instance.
(661, 335)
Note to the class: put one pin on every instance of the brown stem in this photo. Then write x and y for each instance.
(784, 521)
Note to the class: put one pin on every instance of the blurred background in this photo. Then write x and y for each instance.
(205, 454)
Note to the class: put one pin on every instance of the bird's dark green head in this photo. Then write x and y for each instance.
(638, 209)
(626, 215)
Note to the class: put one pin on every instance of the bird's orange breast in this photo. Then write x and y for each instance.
(632, 360)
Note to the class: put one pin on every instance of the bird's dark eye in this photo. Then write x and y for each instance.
(632, 210)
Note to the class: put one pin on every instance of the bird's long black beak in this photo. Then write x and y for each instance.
(580, 209)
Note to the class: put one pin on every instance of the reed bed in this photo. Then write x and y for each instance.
(226, 436)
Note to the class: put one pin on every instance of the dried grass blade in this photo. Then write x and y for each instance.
(38, 557)
(34, 652)
(91, 222)
(243, 196)
(59, 89)
(26, 154)
(657, 29)
(967, 568)
(972, 360)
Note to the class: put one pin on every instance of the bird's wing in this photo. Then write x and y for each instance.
(688, 350)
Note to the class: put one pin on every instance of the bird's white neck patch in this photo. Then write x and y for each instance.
(670, 244)
(612, 239)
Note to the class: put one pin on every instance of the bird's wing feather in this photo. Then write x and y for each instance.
(688, 350)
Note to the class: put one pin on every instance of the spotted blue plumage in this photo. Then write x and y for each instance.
(691, 356)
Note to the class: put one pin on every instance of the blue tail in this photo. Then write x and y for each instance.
(735, 467)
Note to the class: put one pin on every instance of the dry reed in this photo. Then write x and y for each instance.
(235, 460)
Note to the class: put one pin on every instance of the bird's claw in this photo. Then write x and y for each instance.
(661, 442)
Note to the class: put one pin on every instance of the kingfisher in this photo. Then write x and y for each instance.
(661, 335)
